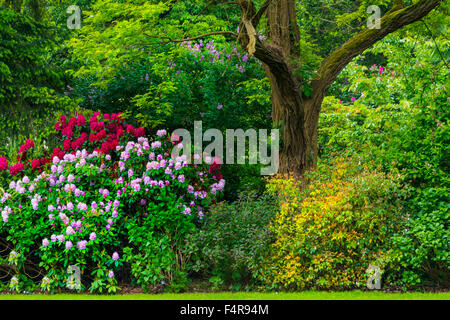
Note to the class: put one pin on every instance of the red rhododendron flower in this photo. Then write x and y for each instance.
(36, 163)
(92, 119)
(139, 132)
(67, 132)
(100, 125)
(14, 170)
(106, 147)
(3, 164)
(58, 126)
(72, 122)
(130, 129)
(26, 146)
(101, 135)
(111, 127)
(67, 145)
(81, 120)
(84, 136)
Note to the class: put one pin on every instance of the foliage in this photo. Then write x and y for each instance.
(232, 241)
(397, 116)
(388, 109)
(31, 81)
(98, 210)
(329, 232)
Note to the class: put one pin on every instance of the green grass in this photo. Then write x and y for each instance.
(307, 295)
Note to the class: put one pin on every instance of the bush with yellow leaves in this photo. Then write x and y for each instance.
(330, 229)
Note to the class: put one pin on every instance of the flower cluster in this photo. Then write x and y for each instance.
(209, 51)
(87, 203)
(102, 133)
(24, 148)
(3, 164)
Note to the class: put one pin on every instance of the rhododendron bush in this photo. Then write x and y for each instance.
(110, 202)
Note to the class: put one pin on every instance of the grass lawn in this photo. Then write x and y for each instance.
(307, 295)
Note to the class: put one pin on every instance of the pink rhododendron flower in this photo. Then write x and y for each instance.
(69, 245)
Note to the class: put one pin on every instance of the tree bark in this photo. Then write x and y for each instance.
(297, 116)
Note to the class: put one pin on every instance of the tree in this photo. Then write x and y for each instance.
(36, 8)
(299, 78)
(297, 112)
(32, 81)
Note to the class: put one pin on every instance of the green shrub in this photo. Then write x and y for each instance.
(400, 121)
(232, 240)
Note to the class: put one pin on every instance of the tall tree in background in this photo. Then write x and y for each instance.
(36, 8)
(296, 111)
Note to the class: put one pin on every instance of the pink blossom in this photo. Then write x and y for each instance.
(69, 245)
(115, 256)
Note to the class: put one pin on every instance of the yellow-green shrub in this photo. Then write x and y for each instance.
(330, 230)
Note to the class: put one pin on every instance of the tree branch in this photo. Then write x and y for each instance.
(398, 4)
(259, 14)
(392, 21)
(170, 40)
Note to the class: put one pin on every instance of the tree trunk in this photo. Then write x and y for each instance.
(297, 120)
